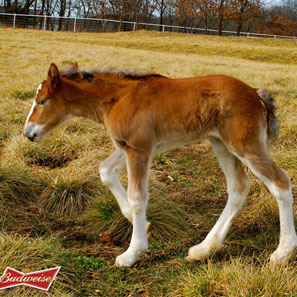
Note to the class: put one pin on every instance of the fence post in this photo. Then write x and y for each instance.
(163, 29)
(134, 26)
(74, 29)
(14, 20)
(44, 24)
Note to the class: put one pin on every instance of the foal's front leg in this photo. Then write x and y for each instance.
(110, 170)
(138, 166)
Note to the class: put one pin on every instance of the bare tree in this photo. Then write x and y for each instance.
(242, 10)
(161, 6)
(222, 12)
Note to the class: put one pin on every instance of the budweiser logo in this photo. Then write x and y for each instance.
(38, 279)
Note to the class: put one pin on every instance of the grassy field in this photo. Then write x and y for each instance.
(54, 210)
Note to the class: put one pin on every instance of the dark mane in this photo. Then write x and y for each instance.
(131, 74)
(143, 76)
(73, 73)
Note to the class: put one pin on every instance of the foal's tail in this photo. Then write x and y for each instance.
(272, 122)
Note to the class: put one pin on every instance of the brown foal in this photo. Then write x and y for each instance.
(146, 114)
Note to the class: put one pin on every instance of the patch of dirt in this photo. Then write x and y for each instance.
(50, 162)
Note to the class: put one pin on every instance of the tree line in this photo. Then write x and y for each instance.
(239, 15)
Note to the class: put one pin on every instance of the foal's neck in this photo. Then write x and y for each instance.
(94, 100)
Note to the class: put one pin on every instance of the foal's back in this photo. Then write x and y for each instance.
(160, 109)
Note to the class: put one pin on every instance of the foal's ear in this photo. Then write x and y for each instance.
(75, 66)
(53, 77)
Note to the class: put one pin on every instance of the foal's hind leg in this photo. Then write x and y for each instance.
(278, 183)
(110, 170)
(238, 185)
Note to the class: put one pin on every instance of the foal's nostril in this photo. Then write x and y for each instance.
(32, 137)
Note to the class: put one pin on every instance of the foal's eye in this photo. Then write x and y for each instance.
(40, 102)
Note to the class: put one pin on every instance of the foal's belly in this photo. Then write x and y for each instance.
(170, 145)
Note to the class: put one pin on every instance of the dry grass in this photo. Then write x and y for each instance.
(53, 188)
(239, 277)
(19, 191)
(168, 220)
(24, 253)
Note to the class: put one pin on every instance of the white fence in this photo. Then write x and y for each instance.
(56, 23)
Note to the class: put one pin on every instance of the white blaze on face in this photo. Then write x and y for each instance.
(34, 103)
(31, 128)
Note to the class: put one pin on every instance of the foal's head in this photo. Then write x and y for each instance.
(49, 107)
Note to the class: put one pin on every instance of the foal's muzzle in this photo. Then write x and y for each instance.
(33, 132)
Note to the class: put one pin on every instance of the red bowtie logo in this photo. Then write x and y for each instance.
(38, 279)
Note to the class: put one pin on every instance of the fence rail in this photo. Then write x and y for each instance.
(75, 24)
